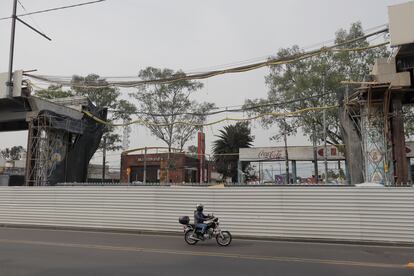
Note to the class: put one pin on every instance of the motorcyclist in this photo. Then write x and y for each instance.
(199, 218)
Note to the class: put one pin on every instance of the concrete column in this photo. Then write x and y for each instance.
(378, 162)
(398, 142)
(348, 179)
(144, 180)
(239, 172)
(294, 171)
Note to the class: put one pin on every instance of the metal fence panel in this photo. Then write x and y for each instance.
(345, 213)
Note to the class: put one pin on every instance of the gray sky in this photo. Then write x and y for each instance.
(118, 38)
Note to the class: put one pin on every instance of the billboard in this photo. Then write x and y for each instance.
(299, 153)
(302, 153)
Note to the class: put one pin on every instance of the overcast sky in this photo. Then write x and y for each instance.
(120, 37)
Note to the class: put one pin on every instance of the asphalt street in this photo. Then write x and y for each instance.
(57, 252)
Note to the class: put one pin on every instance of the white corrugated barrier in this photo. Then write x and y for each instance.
(344, 213)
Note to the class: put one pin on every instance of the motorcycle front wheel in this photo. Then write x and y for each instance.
(224, 238)
(188, 239)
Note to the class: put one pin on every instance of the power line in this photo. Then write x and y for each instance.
(55, 9)
(237, 110)
(385, 25)
(247, 108)
(148, 123)
(31, 17)
(240, 62)
(205, 75)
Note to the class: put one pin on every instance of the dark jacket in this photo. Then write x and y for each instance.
(199, 217)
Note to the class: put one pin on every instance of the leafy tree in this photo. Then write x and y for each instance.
(53, 92)
(225, 149)
(163, 105)
(408, 121)
(316, 80)
(12, 154)
(286, 130)
(102, 95)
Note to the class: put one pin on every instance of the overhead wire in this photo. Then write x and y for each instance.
(129, 84)
(54, 9)
(209, 74)
(244, 109)
(31, 17)
(254, 106)
(304, 48)
(185, 77)
(148, 123)
(283, 60)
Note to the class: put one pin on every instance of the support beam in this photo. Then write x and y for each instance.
(378, 164)
(294, 171)
(12, 116)
(30, 152)
(239, 172)
(398, 141)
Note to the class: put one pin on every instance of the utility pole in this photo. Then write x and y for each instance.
(168, 164)
(14, 18)
(315, 154)
(201, 154)
(287, 178)
(325, 148)
(145, 166)
(103, 159)
(201, 167)
(9, 82)
(260, 173)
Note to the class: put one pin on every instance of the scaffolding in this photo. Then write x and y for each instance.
(376, 113)
(47, 147)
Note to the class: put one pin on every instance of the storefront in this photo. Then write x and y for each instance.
(162, 168)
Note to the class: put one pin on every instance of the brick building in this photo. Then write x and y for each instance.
(183, 168)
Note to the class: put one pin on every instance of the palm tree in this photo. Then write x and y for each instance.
(226, 148)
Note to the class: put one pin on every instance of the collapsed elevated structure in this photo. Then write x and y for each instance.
(372, 116)
(61, 140)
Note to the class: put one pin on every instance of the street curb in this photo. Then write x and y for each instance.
(241, 237)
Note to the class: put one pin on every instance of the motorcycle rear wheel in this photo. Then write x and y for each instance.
(188, 239)
(224, 239)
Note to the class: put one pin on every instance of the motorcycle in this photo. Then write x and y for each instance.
(193, 235)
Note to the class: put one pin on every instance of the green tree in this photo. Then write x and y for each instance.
(163, 105)
(226, 148)
(97, 90)
(408, 121)
(316, 80)
(102, 95)
(54, 92)
(12, 154)
(286, 129)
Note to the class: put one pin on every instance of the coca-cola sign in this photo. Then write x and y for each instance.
(270, 155)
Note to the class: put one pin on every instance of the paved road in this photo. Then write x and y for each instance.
(50, 252)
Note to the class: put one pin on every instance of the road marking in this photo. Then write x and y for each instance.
(410, 265)
(204, 254)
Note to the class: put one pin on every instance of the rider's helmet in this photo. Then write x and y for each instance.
(200, 207)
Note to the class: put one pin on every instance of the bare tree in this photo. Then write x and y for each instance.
(163, 106)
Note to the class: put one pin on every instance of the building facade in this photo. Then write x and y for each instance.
(163, 168)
